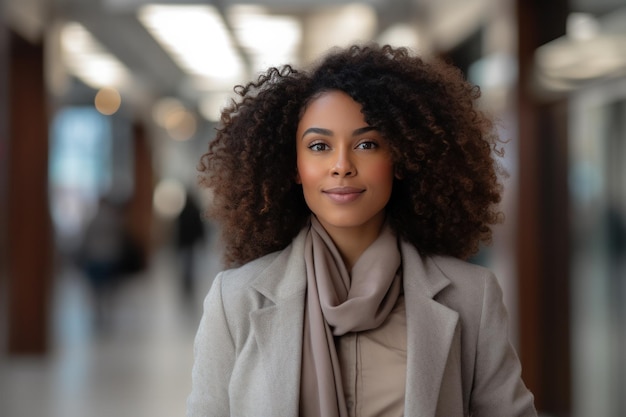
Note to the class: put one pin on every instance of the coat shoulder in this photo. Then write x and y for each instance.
(455, 267)
(236, 279)
(460, 271)
(273, 277)
(468, 286)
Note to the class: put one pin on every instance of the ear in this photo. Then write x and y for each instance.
(398, 174)
(297, 179)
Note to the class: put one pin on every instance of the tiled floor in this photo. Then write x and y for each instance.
(138, 365)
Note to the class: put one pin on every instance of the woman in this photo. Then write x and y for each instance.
(348, 197)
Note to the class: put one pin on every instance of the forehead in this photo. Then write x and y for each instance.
(332, 107)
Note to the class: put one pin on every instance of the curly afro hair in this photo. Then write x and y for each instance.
(442, 146)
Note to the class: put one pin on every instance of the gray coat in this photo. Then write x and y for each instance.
(459, 359)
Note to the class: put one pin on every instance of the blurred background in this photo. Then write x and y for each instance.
(107, 105)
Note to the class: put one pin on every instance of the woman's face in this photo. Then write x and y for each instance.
(344, 165)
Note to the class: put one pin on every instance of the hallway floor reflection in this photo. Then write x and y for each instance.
(138, 363)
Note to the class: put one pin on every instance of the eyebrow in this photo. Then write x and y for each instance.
(327, 132)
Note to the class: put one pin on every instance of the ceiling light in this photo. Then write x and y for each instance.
(339, 26)
(88, 60)
(269, 40)
(107, 101)
(168, 199)
(172, 115)
(591, 50)
(163, 107)
(582, 26)
(573, 62)
(400, 34)
(196, 38)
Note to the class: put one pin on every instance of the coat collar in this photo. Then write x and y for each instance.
(431, 328)
(272, 282)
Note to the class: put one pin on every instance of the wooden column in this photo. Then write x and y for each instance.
(4, 162)
(543, 227)
(140, 210)
(28, 224)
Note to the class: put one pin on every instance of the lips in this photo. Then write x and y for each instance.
(343, 194)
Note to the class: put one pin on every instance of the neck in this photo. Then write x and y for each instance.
(352, 242)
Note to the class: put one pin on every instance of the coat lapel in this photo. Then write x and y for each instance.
(431, 329)
(278, 328)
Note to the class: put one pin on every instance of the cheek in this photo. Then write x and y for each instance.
(383, 172)
(382, 177)
(307, 172)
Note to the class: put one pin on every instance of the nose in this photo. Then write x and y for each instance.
(343, 165)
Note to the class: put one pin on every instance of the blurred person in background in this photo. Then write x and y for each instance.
(107, 255)
(190, 232)
(349, 197)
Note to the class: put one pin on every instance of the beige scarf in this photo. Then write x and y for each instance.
(338, 302)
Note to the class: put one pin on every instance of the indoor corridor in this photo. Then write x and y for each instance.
(107, 106)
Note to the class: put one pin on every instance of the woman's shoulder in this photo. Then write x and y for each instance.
(273, 272)
(458, 269)
(242, 276)
(234, 289)
(470, 285)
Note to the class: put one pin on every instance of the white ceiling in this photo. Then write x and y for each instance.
(115, 25)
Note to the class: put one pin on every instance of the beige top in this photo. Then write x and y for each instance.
(373, 367)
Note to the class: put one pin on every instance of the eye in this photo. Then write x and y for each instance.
(367, 145)
(318, 147)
